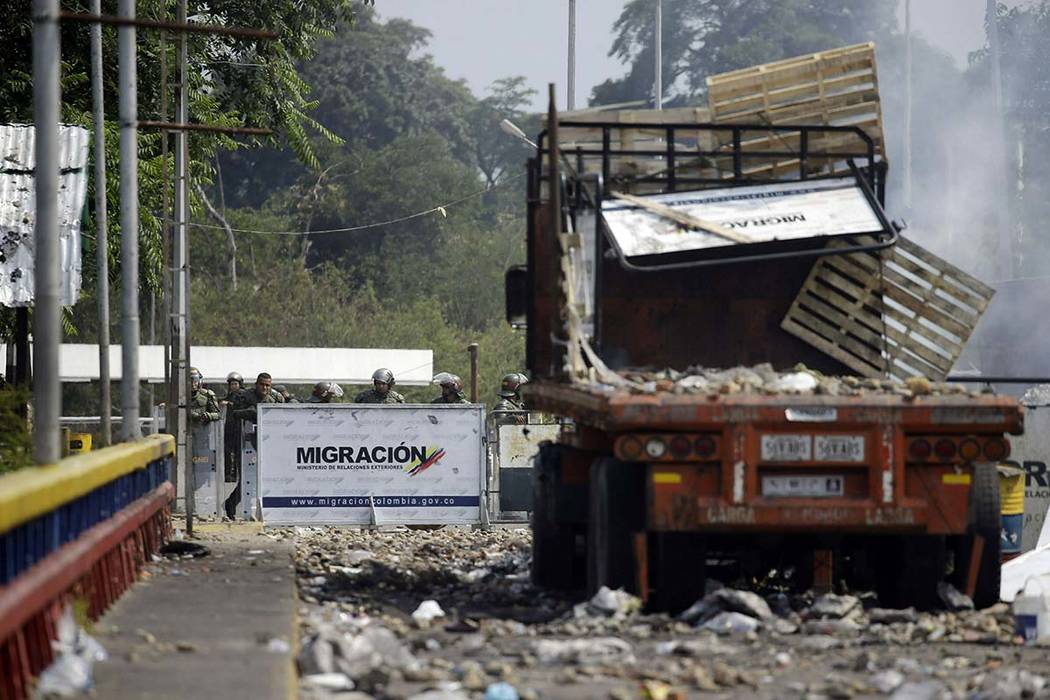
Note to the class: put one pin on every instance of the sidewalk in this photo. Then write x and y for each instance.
(221, 626)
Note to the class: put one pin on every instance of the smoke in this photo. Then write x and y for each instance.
(968, 189)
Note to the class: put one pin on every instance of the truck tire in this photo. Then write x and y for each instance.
(553, 543)
(985, 520)
(909, 569)
(617, 512)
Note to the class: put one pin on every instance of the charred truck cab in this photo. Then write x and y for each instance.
(657, 248)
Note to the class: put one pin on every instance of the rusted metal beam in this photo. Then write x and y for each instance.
(211, 128)
(243, 32)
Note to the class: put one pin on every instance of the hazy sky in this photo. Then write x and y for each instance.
(483, 40)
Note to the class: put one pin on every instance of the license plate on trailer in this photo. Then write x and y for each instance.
(787, 448)
(802, 486)
(838, 448)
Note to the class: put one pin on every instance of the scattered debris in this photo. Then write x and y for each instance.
(952, 598)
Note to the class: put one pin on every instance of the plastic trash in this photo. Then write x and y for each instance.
(76, 652)
(427, 611)
(731, 623)
(1032, 610)
(501, 691)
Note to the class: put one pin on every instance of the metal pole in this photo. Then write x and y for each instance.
(658, 56)
(183, 436)
(47, 396)
(101, 222)
(1000, 173)
(473, 350)
(129, 224)
(907, 106)
(570, 101)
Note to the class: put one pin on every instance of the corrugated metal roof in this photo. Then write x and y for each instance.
(18, 209)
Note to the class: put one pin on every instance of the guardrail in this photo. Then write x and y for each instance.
(81, 529)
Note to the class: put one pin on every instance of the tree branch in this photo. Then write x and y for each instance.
(231, 242)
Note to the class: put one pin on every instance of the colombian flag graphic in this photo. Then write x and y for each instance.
(433, 456)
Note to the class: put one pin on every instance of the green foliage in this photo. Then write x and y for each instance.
(705, 37)
(16, 445)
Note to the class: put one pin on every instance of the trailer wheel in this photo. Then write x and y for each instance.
(909, 569)
(617, 512)
(553, 543)
(985, 520)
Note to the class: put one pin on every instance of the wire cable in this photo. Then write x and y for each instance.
(439, 208)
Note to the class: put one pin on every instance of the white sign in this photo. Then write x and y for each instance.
(354, 464)
(839, 448)
(787, 448)
(762, 213)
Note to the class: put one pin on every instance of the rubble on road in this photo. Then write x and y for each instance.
(365, 593)
(762, 379)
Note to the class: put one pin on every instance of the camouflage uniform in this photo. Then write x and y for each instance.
(204, 407)
(509, 403)
(458, 397)
(373, 396)
(244, 406)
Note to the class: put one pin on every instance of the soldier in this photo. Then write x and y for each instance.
(204, 407)
(324, 392)
(382, 390)
(262, 393)
(510, 392)
(285, 395)
(451, 389)
(234, 384)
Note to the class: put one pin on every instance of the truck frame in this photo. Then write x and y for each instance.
(655, 491)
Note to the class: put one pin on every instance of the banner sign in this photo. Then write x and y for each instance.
(356, 464)
(762, 213)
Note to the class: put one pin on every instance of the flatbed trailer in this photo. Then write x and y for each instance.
(659, 487)
(654, 485)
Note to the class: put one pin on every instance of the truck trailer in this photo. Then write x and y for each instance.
(710, 304)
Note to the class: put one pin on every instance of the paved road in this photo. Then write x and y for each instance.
(221, 626)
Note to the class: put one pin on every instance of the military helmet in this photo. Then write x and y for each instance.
(511, 384)
(448, 379)
(235, 377)
(383, 375)
(195, 377)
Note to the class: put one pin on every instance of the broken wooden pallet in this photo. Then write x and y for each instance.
(832, 88)
(900, 312)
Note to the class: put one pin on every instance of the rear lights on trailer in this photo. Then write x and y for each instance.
(674, 447)
(951, 449)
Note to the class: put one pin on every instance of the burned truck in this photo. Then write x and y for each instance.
(751, 352)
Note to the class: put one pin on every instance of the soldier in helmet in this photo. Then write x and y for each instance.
(510, 392)
(451, 389)
(324, 392)
(204, 407)
(234, 384)
(382, 390)
(286, 395)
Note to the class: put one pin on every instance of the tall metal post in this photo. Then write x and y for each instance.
(907, 106)
(101, 222)
(181, 295)
(570, 101)
(129, 222)
(47, 396)
(658, 55)
(1000, 178)
(473, 350)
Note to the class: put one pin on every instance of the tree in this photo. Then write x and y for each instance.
(706, 37)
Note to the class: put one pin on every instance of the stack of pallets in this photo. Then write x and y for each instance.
(839, 87)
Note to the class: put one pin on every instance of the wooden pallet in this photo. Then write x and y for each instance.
(899, 313)
(831, 88)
